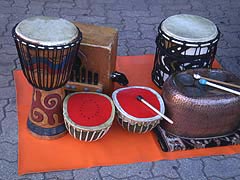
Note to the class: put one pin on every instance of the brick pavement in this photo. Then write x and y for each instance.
(137, 22)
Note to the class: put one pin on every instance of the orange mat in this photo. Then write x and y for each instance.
(117, 147)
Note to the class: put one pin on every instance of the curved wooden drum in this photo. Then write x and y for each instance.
(88, 116)
(47, 48)
(133, 115)
(200, 111)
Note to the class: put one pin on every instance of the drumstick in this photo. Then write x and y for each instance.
(141, 99)
(205, 82)
(197, 76)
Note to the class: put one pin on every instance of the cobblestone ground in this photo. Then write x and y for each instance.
(137, 22)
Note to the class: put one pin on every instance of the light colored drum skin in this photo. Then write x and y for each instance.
(47, 48)
(47, 31)
(136, 124)
(83, 132)
(184, 42)
(190, 28)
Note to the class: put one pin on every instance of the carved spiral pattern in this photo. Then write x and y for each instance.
(40, 116)
(46, 110)
(50, 102)
(37, 115)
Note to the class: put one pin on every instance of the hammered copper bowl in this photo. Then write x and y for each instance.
(199, 111)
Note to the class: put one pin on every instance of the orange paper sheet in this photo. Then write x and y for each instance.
(117, 147)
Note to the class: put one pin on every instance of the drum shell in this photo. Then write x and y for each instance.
(46, 68)
(134, 126)
(84, 135)
(45, 119)
(200, 117)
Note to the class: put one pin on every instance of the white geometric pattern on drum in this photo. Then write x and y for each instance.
(80, 136)
(93, 135)
(86, 137)
(74, 132)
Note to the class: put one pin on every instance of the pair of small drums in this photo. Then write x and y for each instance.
(88, 116)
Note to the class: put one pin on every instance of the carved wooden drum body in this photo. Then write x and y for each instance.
(88, 116)
(200, 111)
(184, 42)
(133, 115)
(47, 48)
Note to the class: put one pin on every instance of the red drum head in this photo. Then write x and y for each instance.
(89, 109)
(126, 102)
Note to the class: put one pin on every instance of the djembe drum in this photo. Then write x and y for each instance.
(184, 42)
(47, 48)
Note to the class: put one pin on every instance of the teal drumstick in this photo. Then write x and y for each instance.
(205, 82)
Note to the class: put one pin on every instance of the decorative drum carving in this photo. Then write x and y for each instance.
(47, 48)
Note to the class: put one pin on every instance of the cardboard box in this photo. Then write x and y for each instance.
(99, 45)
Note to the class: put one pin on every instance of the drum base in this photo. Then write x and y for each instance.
(46, 133)
(45, 119)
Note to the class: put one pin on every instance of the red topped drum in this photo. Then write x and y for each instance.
(134, 115)
(88, 116)
(47, 48)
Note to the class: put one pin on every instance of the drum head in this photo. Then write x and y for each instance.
(189, 28)
(127, 104)
(47, 31)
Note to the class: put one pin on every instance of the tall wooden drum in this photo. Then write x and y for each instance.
(184, 42)
(47, 48)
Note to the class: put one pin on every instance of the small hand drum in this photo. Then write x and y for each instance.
(47, 48)
(200, 111)
(88, 116)
(133, 115)
(184, 42)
